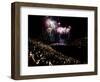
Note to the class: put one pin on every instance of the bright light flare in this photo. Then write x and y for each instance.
(63, 30)
(51, 23)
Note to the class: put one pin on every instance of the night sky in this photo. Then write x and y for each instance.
(37, 23)
(78, 33)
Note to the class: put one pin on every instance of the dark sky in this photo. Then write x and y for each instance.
(78, 24)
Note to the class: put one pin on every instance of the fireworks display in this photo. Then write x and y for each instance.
(56, 40)
(55, 30)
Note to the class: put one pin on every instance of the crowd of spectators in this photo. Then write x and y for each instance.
(40, 54)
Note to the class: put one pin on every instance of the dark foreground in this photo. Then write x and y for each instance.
(43, 55)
